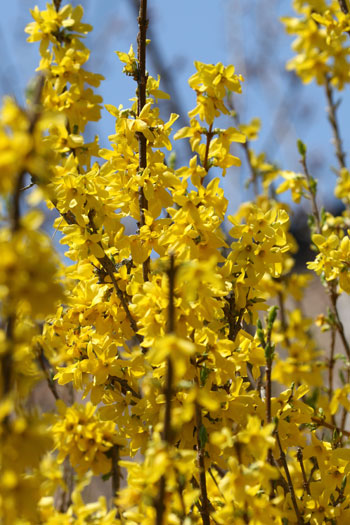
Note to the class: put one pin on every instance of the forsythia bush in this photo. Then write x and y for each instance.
(193, 382)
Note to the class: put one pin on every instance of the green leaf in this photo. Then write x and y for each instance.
(343, 484)
(271, 315)
(313, 185)
(301, 148)
(204, 373)
(269, 352)
(172, 160)
(203, 436)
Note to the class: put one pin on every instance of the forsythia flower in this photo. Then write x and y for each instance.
(81, 435)
(155, 325)
(296, 182)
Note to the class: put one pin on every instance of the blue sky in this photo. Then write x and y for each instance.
(246, 33)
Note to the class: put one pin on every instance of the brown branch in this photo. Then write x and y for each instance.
(171, 305)
(331, 363)
(167, 431)
(25, 188)
(339, 325)
(302, 468)
(209, 135)
(343, 6)
(291, 490)
(204, 509)
(57, 4)
(65, 496)
(115, 474)
(171, 329)
(234, 319)
(6, 360)
(344, 411)
(180, 490)
(269, 355)
(15, 209)
(160, 505)
(125, 386)
(268, 370)
(283, 317)
(141, 101)
(330, 285)
(166, 74)
(332, 117)
(321, 423)
(109, 268)
(33, 114)
(343, 420)
(49, 380)
(312, 191)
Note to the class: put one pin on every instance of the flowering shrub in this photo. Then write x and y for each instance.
(187, 379)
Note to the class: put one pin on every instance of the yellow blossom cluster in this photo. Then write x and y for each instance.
(321, 43)
(332, 259)
(29, 290)
(79, 434)
(175, 379)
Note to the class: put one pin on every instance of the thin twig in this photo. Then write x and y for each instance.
(33, 114)
(141, 101)
(291, 490)
(339, 325)
(209, 135)
(343, 420)
(6, 359)
(49, 380)
(65, 496)
(115, 474)
(25, 188)
(171, 305)
(283, 317)
(330, 285)
(268, 370)
(180, 490)
(109, 268)
(170, 373)
(154, 52)
(14, 216)
(167, 431)
(331, 364)
(204, 510)
(321, 423)
(332, 117)
(302, 468)
(312, 191)
(125, 386)
(345, 411)
(344, 7)
(57, 4)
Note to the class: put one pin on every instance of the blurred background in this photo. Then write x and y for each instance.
(246, 33)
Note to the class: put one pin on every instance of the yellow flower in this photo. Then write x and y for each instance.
(174, 348)
(129, 60)
(296, 182)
